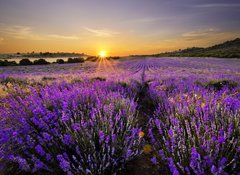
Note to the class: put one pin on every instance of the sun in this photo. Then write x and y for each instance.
(102, 54)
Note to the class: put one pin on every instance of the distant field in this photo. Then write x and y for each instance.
(135, 115)
(132, 68)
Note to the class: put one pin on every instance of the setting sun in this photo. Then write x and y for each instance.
(102, 54)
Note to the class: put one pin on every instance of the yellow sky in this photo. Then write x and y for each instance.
(119, 27)
(114, 46)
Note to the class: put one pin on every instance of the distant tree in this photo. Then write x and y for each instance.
(40, 62)
(25, 61)
(60, 61)
(3, 63)
(75, 60)
(11, 63)
(70, 60)
(18, 53)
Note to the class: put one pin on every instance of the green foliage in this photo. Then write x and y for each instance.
(76, 80)
(228, 49)
(60, 61)
(52, 55)
(13, 80)
(123, 84)
(48, 78)
(40, 62)
(25, 61)
(75, 60)
(218, 84)
(99, 78)
(7, 63)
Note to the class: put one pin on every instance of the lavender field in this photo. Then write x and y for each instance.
(135, 115)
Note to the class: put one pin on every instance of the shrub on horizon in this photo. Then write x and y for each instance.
(75, 60)
(25, 62)
(40, 62)
(7, 63)
(60, 61)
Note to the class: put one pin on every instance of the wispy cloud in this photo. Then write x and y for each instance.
(101, 32)
(219, 5)
(19, 32)
(151, 19)
(26, 32)
(199, 33)
(72, 37)
(144, 20)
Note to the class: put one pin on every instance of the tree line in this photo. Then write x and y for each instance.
(41, 61)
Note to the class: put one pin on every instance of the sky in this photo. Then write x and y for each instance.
(119, 27)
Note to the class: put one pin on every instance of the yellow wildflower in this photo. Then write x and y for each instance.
(147, 149)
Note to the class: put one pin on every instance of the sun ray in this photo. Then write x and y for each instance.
(103, 63)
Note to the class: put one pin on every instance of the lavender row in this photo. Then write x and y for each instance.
(195, 129)
(81, 128)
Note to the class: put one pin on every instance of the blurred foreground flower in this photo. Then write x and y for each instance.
(147, 149)
(141, 134)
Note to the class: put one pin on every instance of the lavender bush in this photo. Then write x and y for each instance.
(196, 130)
(86, 128)
(83, 119)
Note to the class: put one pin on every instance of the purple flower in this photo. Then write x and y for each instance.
(154, 160)
(76, 126)
(172, 167)
(88, 171)
(65, 117)
(213, 169)
(23, 165)
(223, 161)
(67, 139)
(101, 136)
(38, 165)
(107, 139)
(64, 165)
(14, 134)
(113, 137)
(46, 136)
(221, 140)
(157, 122)
(40, 150)
(48, 157)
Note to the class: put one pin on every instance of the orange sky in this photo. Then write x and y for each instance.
(114, 47)
(119, 27)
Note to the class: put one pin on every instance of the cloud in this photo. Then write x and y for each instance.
(26, 32)
(152, 19)
(144, 20)
(19, 32)
(218, 5)
(72, 37)
(101, 32)
(199, 33)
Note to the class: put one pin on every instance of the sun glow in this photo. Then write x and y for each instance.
(104, 62)
(102, 54)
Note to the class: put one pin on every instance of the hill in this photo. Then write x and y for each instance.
(228, 49)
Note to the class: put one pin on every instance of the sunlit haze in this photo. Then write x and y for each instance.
(102, 54)
(122, 27)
